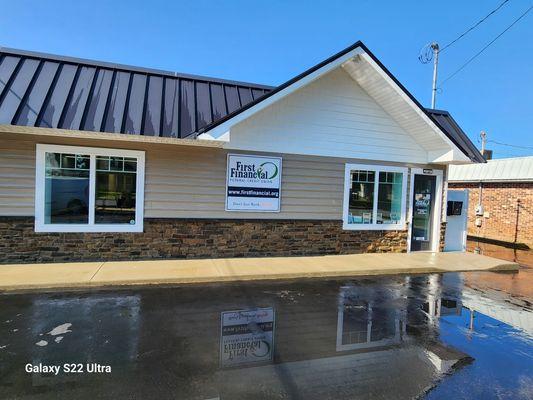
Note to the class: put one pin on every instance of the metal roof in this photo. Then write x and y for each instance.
(45, 90)
(519, 169)
(453, 130)
(51, 91)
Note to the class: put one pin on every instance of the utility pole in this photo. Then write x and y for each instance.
(435, 48)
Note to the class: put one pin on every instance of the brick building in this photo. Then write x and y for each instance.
(500, 198)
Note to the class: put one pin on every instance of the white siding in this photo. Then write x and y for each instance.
(332, 116)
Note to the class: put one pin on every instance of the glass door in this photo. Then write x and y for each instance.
(424, 194)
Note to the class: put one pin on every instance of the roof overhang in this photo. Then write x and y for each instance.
(379, 83)
(54, 132)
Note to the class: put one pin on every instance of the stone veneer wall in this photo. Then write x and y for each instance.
(442, 238)
(198, 238)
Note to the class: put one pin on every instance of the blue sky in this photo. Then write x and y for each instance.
(271, 41)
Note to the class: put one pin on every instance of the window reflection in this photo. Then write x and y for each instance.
(361, 197)
(66, 188)
(365, 323)
(389, 198)
(115, 190)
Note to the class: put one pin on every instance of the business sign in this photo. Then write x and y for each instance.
(253, 183)
(246, 337)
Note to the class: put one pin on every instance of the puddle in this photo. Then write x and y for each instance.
(401, 337)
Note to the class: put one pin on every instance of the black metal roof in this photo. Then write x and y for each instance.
(452, 128)
(51, 91)
(45, 90)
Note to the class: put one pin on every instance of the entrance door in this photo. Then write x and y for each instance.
(424, 196)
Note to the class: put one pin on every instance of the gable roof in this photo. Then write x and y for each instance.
(443, 123)
(44, 90)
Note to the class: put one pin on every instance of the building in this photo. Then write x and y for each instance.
(500, 199)
(101, 161)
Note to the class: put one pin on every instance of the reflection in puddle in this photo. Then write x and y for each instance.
(399, 337)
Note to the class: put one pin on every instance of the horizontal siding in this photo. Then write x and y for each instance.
(192, 183)
(17, 177)
(332, 116)
(185, 182)
(396, 106)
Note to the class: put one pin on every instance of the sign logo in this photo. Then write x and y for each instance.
(246, 337)
(253, 183)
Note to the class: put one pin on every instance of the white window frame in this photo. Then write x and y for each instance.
(346, 204)
(399, 327)
(41, 226)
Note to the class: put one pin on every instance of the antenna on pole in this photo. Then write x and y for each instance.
(431, 52)
(435, 48)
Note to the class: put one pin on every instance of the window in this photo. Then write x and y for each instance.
(364, 323)
(85, 189)
(374, 197)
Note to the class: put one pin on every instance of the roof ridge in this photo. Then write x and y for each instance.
(128, 68)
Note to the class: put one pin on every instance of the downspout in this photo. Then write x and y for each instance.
(480, 200)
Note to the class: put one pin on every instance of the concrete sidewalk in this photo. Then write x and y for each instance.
(96, 274)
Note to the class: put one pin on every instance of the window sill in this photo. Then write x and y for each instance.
(373, 227)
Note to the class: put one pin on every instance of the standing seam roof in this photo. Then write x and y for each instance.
(517, 169)
(50, 91)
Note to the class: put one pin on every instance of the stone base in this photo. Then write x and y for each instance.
(194, 238)
(442, 237)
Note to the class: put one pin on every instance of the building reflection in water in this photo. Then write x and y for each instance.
(362, 338)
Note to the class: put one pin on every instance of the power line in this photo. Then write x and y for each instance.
(508, 154)
(475, 25)
(511, 145)
(484, 48)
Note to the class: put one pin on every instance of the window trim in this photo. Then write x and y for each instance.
(40, 177)
(346, 203)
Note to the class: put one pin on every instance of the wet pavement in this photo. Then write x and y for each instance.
(439, 336)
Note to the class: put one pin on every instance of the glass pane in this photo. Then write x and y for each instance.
(130, 164)
(115, 195)
(102, 163)
(117, 163)
(66, 189)
(355, 322)
(361, 198)
(383, 323)
(68, 160)
(423, 204)
(389, 198)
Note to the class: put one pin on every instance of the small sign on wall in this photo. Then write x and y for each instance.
(253, 183)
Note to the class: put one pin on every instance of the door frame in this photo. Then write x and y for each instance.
(437, 215)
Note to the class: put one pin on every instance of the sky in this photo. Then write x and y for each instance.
(269, 42)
